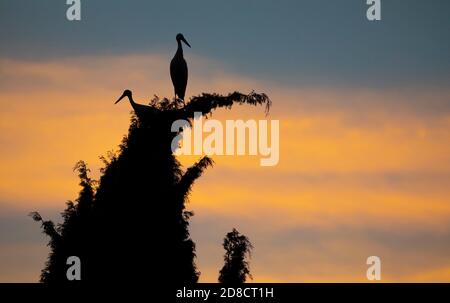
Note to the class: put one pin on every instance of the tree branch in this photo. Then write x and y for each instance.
(191, 174)
(206, 103)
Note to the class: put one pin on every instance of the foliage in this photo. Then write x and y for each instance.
(236, 268)
(132, 224)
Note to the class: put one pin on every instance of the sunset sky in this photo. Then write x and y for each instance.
(364, 111)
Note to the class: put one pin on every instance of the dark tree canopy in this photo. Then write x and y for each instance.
(237, 250)
(132, 225)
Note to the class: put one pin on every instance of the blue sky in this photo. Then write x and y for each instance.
(312, 42)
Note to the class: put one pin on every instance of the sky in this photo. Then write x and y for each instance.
(364, 111)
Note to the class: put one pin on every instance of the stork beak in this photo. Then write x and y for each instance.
(119, 99)
(184, 40)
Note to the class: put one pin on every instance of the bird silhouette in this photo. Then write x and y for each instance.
(141, 110)
(179, 69)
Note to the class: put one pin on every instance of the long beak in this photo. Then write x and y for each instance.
(119, 99)
(184, 40)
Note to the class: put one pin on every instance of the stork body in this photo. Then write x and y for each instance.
(140, 109)
(179, 69)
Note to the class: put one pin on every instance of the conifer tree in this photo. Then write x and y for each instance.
(237, 251)
(132, 225)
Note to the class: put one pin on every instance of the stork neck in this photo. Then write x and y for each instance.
(131, 101)
(180, 47)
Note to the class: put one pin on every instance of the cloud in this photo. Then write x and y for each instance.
(22, 263)
(23, 248)
(360, 170)
(328, 254)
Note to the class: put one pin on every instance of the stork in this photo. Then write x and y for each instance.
(140, 110)
(179, 69)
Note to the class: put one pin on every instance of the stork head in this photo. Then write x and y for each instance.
(126, 93)
(180, 37)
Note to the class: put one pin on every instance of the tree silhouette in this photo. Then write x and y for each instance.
(132, 225)
(236, 268)
(67, 238)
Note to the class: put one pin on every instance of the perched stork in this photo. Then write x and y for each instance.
(140, 110)
(179, 70)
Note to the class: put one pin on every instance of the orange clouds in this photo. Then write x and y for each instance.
(353, 158)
